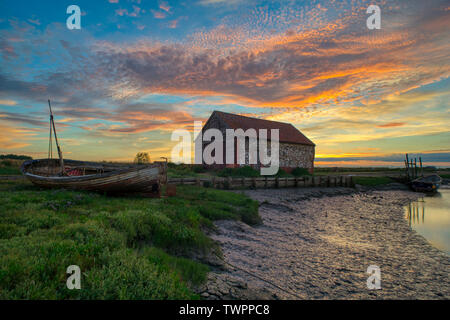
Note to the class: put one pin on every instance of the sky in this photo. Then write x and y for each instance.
(138, 69)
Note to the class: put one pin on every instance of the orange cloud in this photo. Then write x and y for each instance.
(391, 124)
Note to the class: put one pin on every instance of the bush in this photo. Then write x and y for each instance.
(15, 157)
(10, 166)
(297, 172)
(245, 171)
(198, 169)
(181, 170)
(142, 157)
(282, 173)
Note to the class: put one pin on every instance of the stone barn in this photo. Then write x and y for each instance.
(296, 150)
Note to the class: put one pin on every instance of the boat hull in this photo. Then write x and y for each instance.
(109, 179)
(428, 184)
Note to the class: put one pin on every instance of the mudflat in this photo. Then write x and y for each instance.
(318, 244)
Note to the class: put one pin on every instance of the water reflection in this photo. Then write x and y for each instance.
(430, 216)
(416, 211)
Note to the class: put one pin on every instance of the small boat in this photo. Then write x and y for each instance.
(429, 183)
(96, 176)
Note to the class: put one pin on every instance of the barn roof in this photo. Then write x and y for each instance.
(288, 133)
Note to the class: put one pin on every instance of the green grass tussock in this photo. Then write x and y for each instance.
(10, 165)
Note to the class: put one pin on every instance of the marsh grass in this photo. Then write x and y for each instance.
(10, 166)
(126, 247)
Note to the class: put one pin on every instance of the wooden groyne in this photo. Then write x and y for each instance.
(266, 182)
(253, 183)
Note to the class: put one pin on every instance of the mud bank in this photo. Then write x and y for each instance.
(318, 243)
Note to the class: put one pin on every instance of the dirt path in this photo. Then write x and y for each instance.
(318, 244)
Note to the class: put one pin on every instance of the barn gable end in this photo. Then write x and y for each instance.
(296, 150)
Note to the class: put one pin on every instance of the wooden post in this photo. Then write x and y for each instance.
(421, 168)
(415, 168)
(407, 167)
(406, 170)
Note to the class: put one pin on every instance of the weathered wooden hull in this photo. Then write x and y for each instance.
(108, 178)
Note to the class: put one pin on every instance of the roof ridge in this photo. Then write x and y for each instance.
(288, 132)
(239, 115)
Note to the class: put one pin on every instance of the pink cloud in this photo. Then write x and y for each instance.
(158, 14)
(163, 5)
(173, 24)
(124, 12)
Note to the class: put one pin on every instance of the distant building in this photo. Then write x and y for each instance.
(296, 150)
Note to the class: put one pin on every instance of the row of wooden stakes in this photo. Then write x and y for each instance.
(266, 182)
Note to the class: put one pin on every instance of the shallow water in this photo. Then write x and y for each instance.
(430, 217)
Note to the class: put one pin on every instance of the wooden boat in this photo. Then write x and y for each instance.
(94, 176)
(429, 183)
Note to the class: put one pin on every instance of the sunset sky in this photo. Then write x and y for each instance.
(139, 69)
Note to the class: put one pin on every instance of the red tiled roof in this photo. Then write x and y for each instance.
(288, 133)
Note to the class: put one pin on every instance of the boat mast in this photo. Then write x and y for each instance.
(61, 160)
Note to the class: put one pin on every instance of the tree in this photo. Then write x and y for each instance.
(142, 157)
